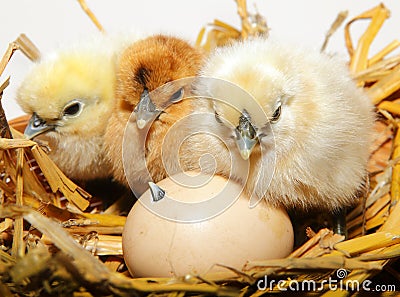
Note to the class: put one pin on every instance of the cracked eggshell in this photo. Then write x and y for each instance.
(157, 247)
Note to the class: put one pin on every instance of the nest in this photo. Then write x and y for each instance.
(59, 240)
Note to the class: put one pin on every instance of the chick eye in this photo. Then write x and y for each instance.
(277, 114)
(73, 109)
(177, 96)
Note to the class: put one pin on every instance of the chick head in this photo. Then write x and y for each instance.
(249, 95)
(148, 64)
(68, 94)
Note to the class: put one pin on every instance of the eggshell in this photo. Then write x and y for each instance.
(158, 247)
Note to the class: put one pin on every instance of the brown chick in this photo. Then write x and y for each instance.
(143, 67)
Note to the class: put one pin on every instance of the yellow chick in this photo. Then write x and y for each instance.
(70, 96)
(303, 125)
(142, 68)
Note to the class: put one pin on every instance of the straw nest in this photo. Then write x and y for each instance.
(57, 240)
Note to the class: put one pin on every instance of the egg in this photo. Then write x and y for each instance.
(202, 221)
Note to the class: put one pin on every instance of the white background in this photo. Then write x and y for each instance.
(52, 23)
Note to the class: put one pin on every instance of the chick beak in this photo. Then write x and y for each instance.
(36, 126)
(246, 138)
(145, 111)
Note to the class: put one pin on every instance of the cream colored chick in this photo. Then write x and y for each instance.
(308, 124)
(70, 96)
(144, 67)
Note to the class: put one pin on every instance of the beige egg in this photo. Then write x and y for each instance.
(202, 221)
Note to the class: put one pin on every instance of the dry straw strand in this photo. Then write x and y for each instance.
(22, 43)
(395, 186)
(340, 18)
(91, 15)
(18, 247)
(58, 181)
(359, 56)
(386, 86)
(384, 52)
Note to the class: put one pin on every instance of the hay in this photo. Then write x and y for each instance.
(91, 15)
(56, 240)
